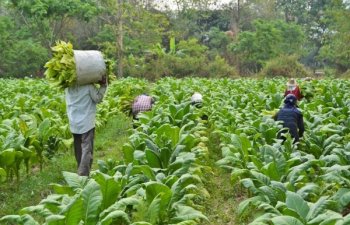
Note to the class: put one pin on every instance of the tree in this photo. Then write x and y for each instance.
(20, 56)
(119, 42)
(293, 10)
(50, 20)
(335, 50)
(268, 40)
(128, 28)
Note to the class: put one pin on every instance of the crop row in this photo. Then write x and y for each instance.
(159, 180)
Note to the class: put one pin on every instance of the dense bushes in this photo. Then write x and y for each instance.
(19, 55)
(286, 66)
(23, 57)
(345, 75)
(188, 59)
(269, 40)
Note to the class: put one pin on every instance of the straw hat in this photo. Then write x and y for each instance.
(292, 82)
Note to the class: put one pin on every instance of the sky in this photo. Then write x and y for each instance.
(172, 3)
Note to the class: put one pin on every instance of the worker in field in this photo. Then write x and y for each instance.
(197, 101)
(81, 101)
(291, 118)
(141, 103)
(293, 88)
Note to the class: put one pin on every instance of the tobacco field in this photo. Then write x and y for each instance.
(161, 178)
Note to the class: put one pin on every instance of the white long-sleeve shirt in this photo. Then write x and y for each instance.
(81, 106)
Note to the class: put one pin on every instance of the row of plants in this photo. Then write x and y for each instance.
(158, 181)
(305, 183)
(32, 125)
(33, 122)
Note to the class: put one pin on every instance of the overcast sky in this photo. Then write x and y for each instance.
(172, 3)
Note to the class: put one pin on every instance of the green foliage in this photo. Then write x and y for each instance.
(335, 50)
(218, 68)
(159, 179)
(269, 40)
(346, 74)
(317, 26)
(61, 68)
(187, 58)
(191, 47)
(20, 55)
(45, 8)
(218, 43)
(286, 66)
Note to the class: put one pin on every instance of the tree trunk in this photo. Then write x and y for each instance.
(235, 18)
(120, 38)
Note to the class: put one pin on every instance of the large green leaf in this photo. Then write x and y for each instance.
(74, 180)
(44, 128)
(55, 220)
(187, 222)
(2, 175)
(172, 133)
(121, 205)
(7, 157)
(110, 188)
(326, 218)
(318, 208)
(141, 223)
(154, 210)
(298, 204)
(114, 217)
(92, 200)
(143, 169)
(185, 213)
(153, 159)
(248, 204)
(21, 220)
(128, 152)
(73, 211)
(286, 220)
(154, 188)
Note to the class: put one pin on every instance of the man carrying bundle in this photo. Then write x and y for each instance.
(81, 103)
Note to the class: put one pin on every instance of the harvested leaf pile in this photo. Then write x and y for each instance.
(61, 69)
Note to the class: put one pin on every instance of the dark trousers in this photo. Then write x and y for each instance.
(83, 149)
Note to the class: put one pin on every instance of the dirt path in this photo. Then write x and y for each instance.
(224, 197)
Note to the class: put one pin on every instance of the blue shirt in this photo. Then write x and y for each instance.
(81, 106)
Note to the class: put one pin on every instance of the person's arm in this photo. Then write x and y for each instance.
(301, 124)
(298, 93)
(97, 94)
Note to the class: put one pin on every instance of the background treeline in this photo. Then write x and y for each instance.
(196, 37)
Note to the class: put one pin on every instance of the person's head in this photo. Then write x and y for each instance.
(290, 100)
(197, 99)
(292, 82)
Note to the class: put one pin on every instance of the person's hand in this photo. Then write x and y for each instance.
(103, 81)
